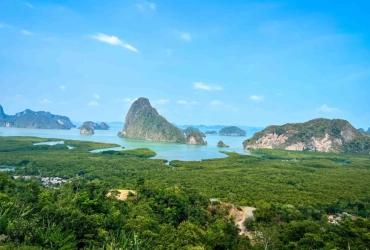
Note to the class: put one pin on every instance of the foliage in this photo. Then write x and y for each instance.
(292, 191)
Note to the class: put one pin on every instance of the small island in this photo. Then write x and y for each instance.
(221, 144)
(96, 126)
(86, 130)
(213, 132)
(232, 131)
(195, 138)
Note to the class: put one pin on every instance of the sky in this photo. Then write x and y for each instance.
(251, 63)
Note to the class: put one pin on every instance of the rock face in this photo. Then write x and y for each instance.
(221, 144)
(190, 130)
(101, 126)
(86, 130)
(195, 138)
(211, 132)
(32, 119)
(144, 122)
(322, 135)
(232, 131)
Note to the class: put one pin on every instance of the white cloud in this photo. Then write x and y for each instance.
(216, 103)
(26, 32)
(18, 96)
(256, 97)
(62, 87)
(203, 86)
(183, 102)
(113, 40)
(29, 5)
(185, 36)
(278, 94)
(45, 101)
(96, 96)
(325, 108)
(146, 6)
(162, 101)
(93, 103)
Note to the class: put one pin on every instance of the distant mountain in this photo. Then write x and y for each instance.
(34, 119)
(213, 132)
(201, 127)
(232, 131)
(96, 126)
(205, 128)
(144, 122)
(321, 134)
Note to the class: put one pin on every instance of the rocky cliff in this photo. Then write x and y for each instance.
(34, 119)
(144, 122)
(322, 135)
(86, 130)
(232, 131)
(221, 144)
(195, 138)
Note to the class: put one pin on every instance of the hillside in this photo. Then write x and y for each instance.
(232, 131)
(144, 122)
(34, 119)
(321, 134)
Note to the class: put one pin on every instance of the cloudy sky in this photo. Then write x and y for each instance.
(199, 62)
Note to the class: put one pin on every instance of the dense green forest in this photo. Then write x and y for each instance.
(293, 192)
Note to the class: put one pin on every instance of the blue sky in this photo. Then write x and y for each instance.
(199, 62)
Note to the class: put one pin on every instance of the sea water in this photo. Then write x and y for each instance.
(168, 151)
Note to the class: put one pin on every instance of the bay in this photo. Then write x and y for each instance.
(168, 151)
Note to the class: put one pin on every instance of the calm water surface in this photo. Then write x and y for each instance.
(168, 151)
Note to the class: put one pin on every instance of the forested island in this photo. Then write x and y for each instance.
(301, 199)
(145, 123)
(232, 131)
(34, 119)
(321, 134)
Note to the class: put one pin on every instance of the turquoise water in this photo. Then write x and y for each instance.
(168, 151)
(7, 168)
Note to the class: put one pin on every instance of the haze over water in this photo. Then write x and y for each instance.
(168, 151)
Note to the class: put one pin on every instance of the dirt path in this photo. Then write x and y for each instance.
(122, 194)
(239, 217)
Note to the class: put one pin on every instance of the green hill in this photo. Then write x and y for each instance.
(144, 122)
(321, 134)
